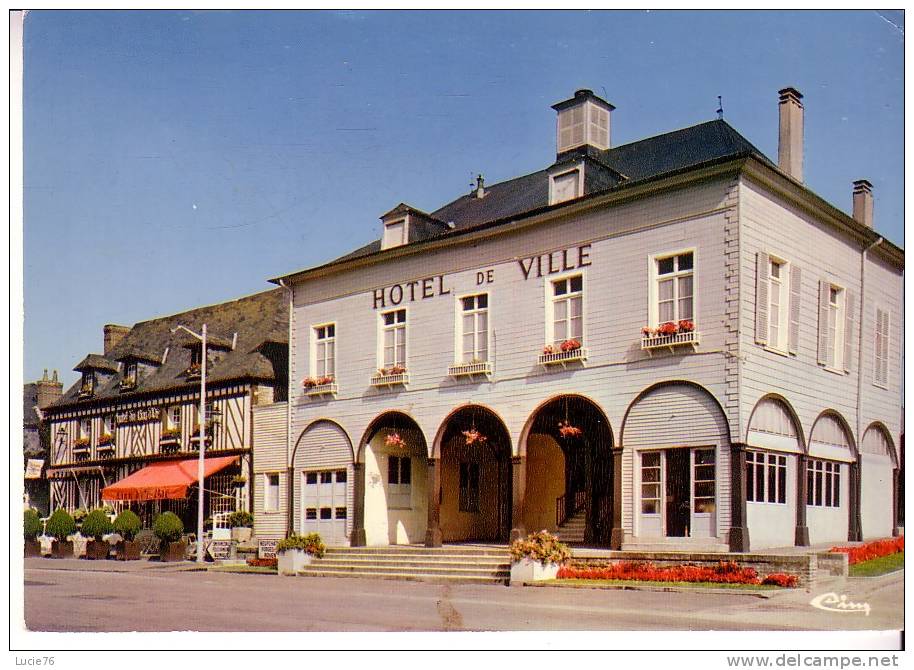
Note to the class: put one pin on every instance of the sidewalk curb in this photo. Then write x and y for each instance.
(765, 595)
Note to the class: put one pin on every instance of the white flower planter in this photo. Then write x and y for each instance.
(292, 561)
(528, 570)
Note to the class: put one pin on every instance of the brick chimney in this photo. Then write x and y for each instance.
(49, 390)
(863, 202)
(790, 134)
(113, 334)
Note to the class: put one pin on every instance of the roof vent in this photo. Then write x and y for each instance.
(480, 187)
(582, 121)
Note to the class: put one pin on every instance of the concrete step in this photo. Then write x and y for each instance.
(410, 576)
(413, 562)
(683, 546)
(502, 572)
(411, 549)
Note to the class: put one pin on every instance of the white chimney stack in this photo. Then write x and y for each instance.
(863, 202)
(790, 135)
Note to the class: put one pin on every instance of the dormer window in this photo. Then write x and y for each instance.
(87, 387)
(566, 185)
(395, 234)
(130, 375)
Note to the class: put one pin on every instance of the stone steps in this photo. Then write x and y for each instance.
(572, 531)
(450, 564)
(682, 545)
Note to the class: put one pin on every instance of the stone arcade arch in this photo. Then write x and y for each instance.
(566, 450)
(676, 482)
(321, 482)
(390, 482)
(470, 479)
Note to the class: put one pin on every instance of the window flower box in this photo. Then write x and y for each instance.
(127, 384)
(105, 450)
(569, 351)
(194, 371)
(392, 376)
(470, 369)
(319, 386)
(669, 336)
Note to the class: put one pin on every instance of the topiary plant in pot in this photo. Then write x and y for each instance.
(60, 526)
(31, 531)
(169, 528)
(95, 526)
(242, 524)
(127, 525)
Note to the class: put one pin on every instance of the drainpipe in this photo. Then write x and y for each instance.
(290, 527)
(856, 520)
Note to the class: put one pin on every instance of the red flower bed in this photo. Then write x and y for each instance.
(781, 579)
(262, 562)
(871, 550)
(722, 573)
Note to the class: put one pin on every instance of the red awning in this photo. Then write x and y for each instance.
(167, 480)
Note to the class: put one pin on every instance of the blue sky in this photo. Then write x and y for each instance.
(176, 159)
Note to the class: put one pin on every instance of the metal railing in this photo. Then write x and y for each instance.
(561, 513)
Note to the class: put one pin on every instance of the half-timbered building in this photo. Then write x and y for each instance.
(127, 433)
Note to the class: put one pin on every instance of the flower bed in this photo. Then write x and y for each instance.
(871, 550)
(722, 573)
(263, 562)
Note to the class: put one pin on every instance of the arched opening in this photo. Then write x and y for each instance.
(775, 476)
(321, 483)
(676, 456)
(474, 492)
(832, 481)
(878, 483)
(394, 456)
(569, 471)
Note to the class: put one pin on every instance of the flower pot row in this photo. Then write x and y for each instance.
(96, 550)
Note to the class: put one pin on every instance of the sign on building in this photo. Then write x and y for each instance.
(33, 468)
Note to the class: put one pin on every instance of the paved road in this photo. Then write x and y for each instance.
(157, 599)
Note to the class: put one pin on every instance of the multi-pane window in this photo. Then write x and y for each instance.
(108, 424)
(88, 383)
(675, 288)
(881, 349)
(173, 417)
(650, 482)
(778, 302)
(325, 350)
(704, 481)
(474, 324)
(393, 335)
(766, 477)
(568, 309)
(823, 483)
(399, 481)
(271, 492)
(85, 428)
(196, 355)
(468, 498)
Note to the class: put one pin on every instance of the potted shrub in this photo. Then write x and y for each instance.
(242, 524)
(537, 557)
(31, 531)
(169, 528)
(95, 526)
(297, 551)
(127, 525)
(60, 526)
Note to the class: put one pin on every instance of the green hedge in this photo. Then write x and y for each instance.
(241, 519)
(31, 524)
(96, 524)
(127, 524)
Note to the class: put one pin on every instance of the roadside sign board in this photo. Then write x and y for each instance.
(266, 548)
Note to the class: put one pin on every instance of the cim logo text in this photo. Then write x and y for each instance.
(832, 602)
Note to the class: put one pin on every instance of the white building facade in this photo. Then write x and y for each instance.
(672, 343)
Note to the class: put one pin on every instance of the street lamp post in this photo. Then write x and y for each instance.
(202, 443)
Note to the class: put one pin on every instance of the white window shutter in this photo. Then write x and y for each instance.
(886, 340)
(762, 298)
(824, 288)
(850, 318)
(793, 339)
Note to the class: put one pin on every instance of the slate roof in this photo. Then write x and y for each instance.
(669, 153)
(259, 318)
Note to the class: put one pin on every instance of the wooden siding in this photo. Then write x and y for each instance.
(270, 430)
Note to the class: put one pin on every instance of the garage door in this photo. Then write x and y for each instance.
(324, 505)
